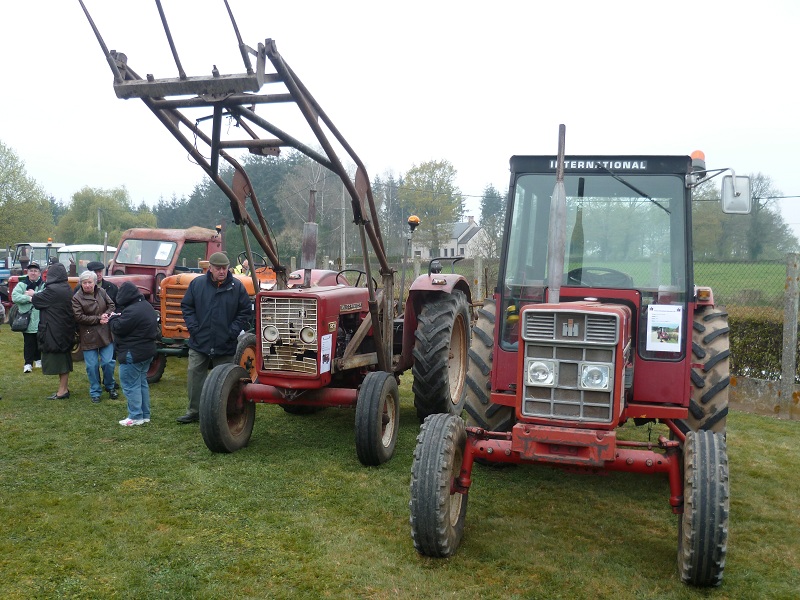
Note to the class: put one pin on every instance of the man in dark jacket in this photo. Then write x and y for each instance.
(135, 331)
(216, 309)
(56, 333)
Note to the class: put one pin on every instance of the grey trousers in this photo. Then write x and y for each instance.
(199, 364)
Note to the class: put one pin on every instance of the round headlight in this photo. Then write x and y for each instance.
(308, 335)
(271, 333)
(541, 372)
(595, 377)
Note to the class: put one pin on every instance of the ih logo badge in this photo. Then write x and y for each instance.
(570, 329)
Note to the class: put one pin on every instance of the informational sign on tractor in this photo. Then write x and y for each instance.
(664, 327)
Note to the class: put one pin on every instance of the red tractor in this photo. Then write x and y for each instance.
(320, 340)
(595, 321)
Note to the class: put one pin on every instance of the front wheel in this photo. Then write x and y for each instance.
(703, 526)
(226, 417)
(440, 355)
(377, 418)
(437, 511)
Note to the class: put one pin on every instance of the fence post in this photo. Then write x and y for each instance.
(477, 280)
(789, 350)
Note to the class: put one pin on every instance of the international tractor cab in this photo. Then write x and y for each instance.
(322, 338)
(596, 320)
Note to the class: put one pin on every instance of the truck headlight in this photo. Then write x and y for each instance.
(542, 373)
(595, 377)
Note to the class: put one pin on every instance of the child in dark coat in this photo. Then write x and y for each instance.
(135, 332)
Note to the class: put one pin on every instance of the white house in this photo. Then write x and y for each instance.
(465, 240)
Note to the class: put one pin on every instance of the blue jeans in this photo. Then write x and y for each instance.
(133, 379)
(105, 357)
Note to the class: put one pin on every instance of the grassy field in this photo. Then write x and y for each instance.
(94, 510)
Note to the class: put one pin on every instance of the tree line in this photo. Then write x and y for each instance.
(282, 185)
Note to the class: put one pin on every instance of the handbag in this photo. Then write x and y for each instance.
(21, 321)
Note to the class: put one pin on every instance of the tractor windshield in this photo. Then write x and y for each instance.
(622, 232)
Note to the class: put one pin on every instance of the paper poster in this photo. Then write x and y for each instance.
(163, 251)
(325, 348)
(664, 328)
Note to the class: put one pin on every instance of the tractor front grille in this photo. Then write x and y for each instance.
(568, 342)
(289, 316)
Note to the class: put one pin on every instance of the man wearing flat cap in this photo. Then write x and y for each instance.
(216, 309)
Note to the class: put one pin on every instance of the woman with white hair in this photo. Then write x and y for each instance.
(91, 306)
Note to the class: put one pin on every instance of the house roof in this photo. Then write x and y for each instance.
(460, 228)
(469, 235)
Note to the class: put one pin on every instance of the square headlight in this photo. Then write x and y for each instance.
(595, 376)
(542, 373)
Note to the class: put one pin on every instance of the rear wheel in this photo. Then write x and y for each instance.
(481, 411)
(245, 355)
(437, 511)
(440, 355)
(226, 418)
(703, 526)
(156, 368)
(708, 407)
(377, 418)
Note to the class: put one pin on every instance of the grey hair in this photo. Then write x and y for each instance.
(86, 275)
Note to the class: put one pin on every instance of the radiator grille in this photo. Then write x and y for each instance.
(289, 352)
(569, 327)
(568, 340)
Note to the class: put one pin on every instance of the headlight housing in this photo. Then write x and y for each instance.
(541, 372)
(595, 376)
(271, 333)
(308, 335)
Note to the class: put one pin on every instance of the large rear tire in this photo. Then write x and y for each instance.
(708, 407)
(377, 418)
(226, 418)
(156, 369)
(440, 355)
(437, 512)
(703, 526)
(245, 355)
(481, 411)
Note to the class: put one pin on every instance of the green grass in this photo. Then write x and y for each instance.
(90, 509)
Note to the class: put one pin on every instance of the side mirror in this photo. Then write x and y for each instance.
(736, 195)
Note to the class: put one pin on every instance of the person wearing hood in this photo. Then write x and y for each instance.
(56, 332)
(30, 347)
(135, 331)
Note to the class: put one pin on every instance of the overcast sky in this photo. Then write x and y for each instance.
(406, 82)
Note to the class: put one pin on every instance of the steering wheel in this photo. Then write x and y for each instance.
(358, 279)
(600, 277)
(258, 259)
